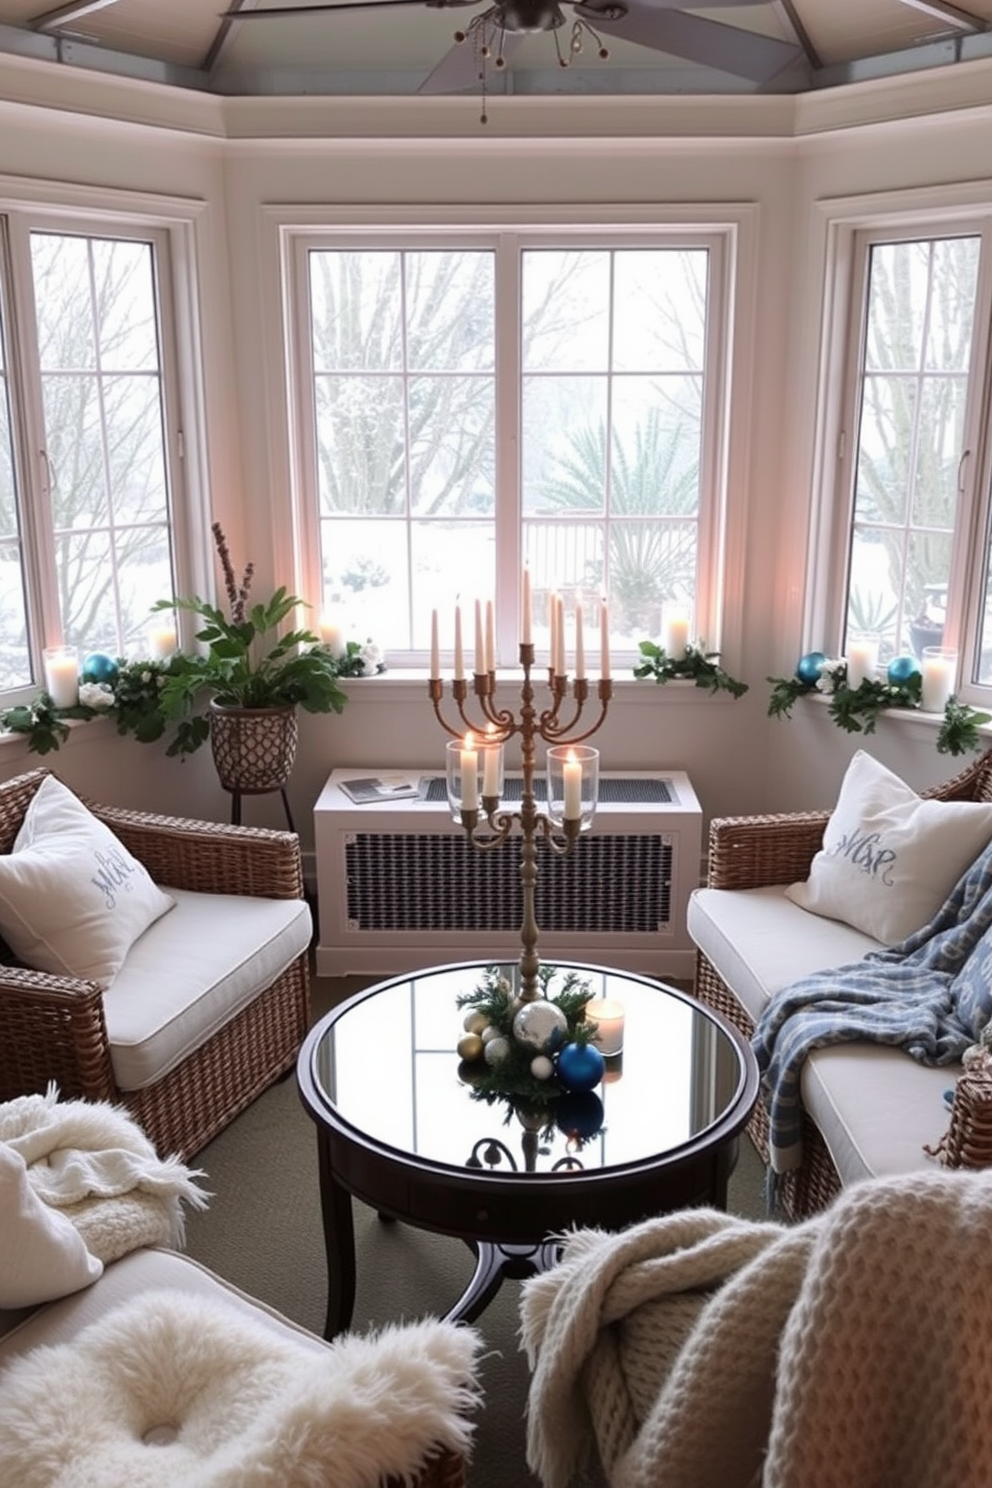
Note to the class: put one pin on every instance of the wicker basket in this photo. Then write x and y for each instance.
(254, 748)
(968, 1140)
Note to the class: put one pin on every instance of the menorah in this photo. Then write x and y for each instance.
(475, 756)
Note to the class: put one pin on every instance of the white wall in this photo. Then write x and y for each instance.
(778, 156)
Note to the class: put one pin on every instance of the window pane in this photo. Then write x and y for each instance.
(450, 311)
(103, 401)
(15, 658)
(566, 306)
(660, 310)
(914, 391)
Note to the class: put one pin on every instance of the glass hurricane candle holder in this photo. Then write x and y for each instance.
(573, 784)
(62, 675)
(465, 765)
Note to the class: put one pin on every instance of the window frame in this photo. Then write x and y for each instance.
(174, 227)
(729, 235)
(852, 227)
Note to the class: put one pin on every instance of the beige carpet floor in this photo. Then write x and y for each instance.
(262, 1231)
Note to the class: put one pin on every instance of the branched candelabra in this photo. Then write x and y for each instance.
(499, 725)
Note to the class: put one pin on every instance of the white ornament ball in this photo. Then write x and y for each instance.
(541, 1067)
(490, 1032)
(497, 1049)
(540, 1026)
(474, 1022)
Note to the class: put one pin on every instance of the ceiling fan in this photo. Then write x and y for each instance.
(497, 30)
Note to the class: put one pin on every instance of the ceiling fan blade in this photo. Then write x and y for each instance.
(269, 12)
(708, 43)
(459, 68)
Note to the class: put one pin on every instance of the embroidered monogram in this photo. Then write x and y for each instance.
(863, 850)
(116, 870)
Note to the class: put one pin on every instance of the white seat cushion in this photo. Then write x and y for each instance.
(760, 942)
(191, 972)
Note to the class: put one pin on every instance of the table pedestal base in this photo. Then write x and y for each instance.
(493, 1265)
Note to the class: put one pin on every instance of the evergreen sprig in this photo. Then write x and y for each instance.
(857, 710)
(694, 665)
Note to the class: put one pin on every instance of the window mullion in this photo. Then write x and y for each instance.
(509, 500)
(972, 529)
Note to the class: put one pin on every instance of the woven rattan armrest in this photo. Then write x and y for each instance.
(209, 857)
(53, 1030)
(749, 852)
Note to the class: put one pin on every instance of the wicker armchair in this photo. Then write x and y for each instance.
(751, 852)
(52, 1028)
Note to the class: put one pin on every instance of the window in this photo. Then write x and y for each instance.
(88, 469)
(908, 487)
(470, 403)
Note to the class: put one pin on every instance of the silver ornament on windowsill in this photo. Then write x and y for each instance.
(541, 1026)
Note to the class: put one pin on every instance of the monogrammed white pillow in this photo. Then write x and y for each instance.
(889, 859)
(73, 900)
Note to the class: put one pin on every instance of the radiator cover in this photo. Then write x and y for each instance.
(399, 887)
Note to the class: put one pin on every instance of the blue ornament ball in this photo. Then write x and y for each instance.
(901, 668)
(580, 1066)
(808, 667)
(580, 1114)
(99, 668)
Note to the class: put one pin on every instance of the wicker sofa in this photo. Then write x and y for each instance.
(868, 1110)
(212, 1002)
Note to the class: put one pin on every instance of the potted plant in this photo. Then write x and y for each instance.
(243, 688)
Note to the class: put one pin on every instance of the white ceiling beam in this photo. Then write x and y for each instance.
(65, 14)
(941, 11)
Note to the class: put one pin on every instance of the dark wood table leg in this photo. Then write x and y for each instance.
(493, 1264)
(235, 808)
(339, 1244)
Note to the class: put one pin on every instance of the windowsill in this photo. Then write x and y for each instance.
(904, 717)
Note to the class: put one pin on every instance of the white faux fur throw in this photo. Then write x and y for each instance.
(172, 1391)
(703, 1351)
(92, 1161)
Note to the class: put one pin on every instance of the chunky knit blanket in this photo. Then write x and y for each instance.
(92, 1162)
(700, 1350)
(930, 995)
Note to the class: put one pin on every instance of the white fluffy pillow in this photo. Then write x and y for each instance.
(42, 1255)
(72, 898)
(889, 859)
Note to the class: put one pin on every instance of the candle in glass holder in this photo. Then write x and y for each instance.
(675, 634)
(608, 1016)
(62, 675)
(162, 642)
(333, 638)
(862, 660)
(571, 773)
(940, 665)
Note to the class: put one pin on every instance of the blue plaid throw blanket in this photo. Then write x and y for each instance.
(930, 995)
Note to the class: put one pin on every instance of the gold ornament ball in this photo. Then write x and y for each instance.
(475, 1022)
(470, 1046)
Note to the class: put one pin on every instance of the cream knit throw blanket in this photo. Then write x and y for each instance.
(704, 1351)
(92, 1161)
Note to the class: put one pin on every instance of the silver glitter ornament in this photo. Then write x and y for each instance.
(540, 1026)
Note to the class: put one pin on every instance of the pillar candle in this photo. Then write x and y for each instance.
(675, 634)
(939, 670)
(459, 653)
(525, 606)
(333, 638)
(580, 649)
(435, 648)
(480, 650)
(470, 779)
(62, 675)
(604, 641)
(490, 638)
(162, 642)
(572, 782)
(862, 659)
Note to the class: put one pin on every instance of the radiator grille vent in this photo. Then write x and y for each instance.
(617, 790)
(424, 882)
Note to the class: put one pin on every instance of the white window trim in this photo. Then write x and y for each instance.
(733, 290)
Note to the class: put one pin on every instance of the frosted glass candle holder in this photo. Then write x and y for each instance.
(608, 1016)
(62, 675)
(573, 784)
(674, 631)
(939, 679)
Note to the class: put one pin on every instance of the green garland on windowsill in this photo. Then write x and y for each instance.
(857, 709)
(695, 665)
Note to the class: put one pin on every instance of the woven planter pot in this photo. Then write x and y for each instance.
(254, 748)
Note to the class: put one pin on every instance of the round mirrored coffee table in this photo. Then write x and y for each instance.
(401, 1128)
